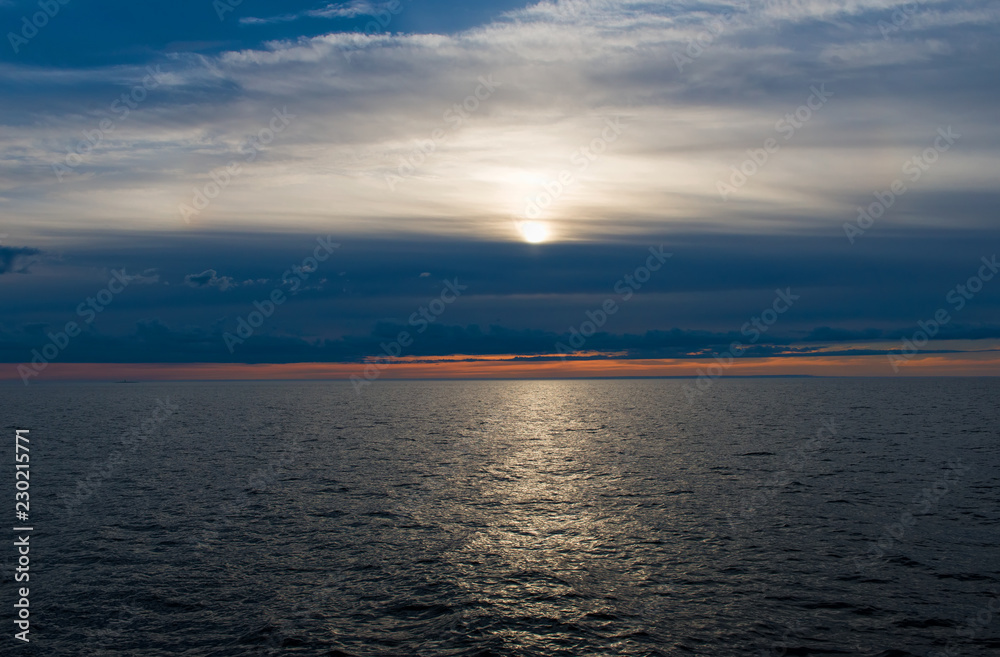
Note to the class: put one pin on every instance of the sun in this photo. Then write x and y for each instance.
(533, 232)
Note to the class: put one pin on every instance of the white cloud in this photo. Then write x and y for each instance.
(564, 68)
(332, 10)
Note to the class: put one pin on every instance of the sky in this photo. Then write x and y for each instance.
(418, 188)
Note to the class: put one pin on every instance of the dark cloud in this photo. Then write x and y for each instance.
(15, 259)
(891, 277)
(154, 341)
(210, 278)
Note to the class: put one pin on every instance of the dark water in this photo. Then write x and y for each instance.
(512, 518)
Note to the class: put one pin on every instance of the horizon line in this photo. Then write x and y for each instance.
(966, 364)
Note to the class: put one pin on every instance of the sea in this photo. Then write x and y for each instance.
(765, 517)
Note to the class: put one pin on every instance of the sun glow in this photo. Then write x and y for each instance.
(534, 232)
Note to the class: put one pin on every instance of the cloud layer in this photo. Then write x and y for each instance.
(847, 150)
(694, 87)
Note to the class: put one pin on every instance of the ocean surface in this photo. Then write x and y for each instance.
(588, 517)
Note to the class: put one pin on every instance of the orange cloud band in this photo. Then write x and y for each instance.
(511, 367)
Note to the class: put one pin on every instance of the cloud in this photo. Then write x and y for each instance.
(332, 10)
(696, 87)
(16, 259)
(154, 341)
(893, 276)
(365, 105)
(148, 277)
(210, 278)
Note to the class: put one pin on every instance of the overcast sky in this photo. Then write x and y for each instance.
(533, 152)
